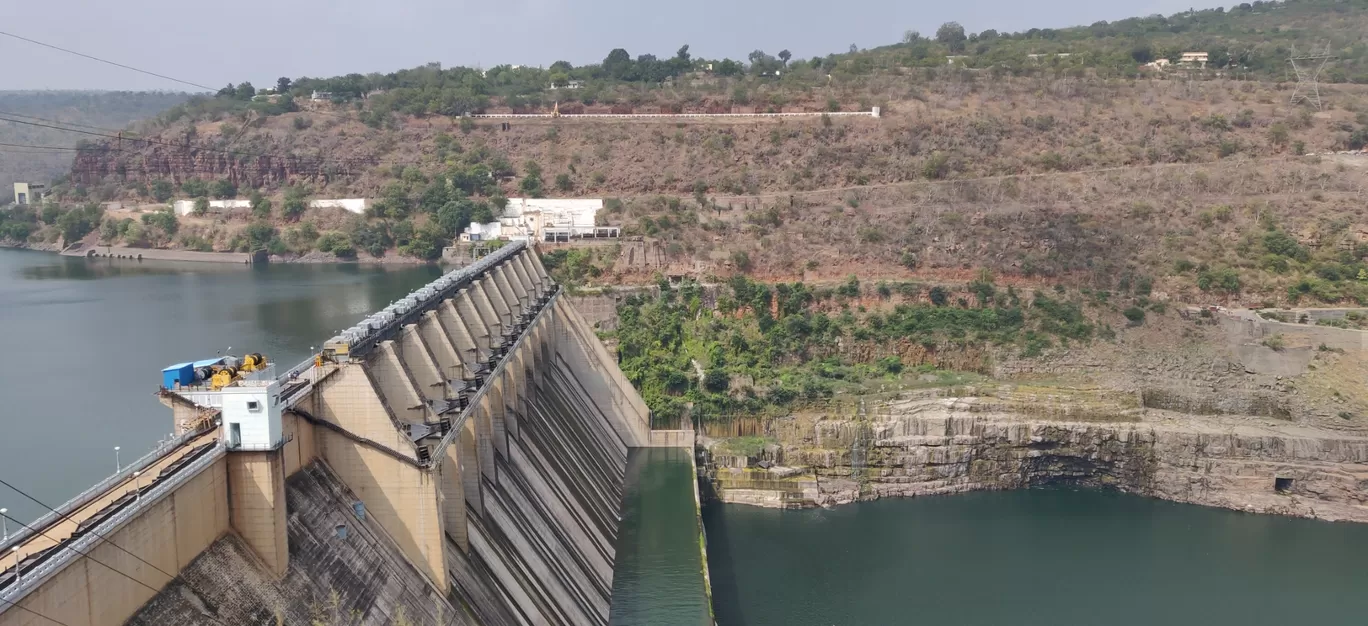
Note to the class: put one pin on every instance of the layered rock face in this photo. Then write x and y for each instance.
(927, 446)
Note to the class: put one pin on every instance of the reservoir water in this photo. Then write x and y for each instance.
(84, 343)
(1028, 558)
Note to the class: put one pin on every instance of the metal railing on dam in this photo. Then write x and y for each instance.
(91, 528)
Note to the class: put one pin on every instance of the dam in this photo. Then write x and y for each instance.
(459, 457)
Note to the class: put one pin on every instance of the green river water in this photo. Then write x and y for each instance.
(1028, 558)
(84, 343)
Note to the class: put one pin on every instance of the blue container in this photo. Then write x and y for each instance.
(183, 373)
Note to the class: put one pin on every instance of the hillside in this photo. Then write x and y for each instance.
(1046, 180)
(76, 109)
(1203, 183)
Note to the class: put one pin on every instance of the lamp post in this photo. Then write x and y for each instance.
(118, 467)
(4, 524)
(137, 486)
(18, 573)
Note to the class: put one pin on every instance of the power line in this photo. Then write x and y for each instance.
(48, 148)
(346, 162)
(141, 71)
(67, 517)
(78, 125)
(84, 554)
(24, 608)
(106, 61)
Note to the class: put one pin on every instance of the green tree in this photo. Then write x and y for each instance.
(296, 201)
(531, 184)
(50, 214)
(261, 206)
(223, 189)
(618, 64)
(938, 295)
(563, 182)
(258, 235)
(195, 187)
(282, 84)
(201, 205)
(162, 190)
(77, 223)
(453, 217)
(952, 35)
(163, 220)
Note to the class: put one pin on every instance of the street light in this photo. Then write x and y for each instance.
(17, 572)
(4, 524)
(137, 486)
(118, 467)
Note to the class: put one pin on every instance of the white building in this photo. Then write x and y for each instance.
(29, 193)
(186, 207)
(1194, 58)
(482, 232)
(544, 219)
(353, 205)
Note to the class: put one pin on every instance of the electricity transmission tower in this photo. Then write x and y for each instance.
(1308, 68)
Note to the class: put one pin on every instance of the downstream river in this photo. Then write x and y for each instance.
(84, 343)
(1032, 558)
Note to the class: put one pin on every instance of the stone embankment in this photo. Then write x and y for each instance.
(154, 254)
(917, 446)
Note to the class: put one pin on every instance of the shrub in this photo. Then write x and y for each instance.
(337, 243)
(261, 206)
(162, 190)
(195, 188)
(1225, 280)
(937, 166)
(296, 200)
(938, 295)
(223, 189)
(1135, 314)
(741, 260)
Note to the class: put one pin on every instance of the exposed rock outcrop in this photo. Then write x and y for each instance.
(926, 446)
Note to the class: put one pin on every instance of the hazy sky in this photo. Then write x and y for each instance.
(260, 40)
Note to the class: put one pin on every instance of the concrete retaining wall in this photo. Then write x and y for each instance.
(356, 576)
(168, 535)
(151, 254)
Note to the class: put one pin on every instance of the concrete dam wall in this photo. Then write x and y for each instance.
(462, 461)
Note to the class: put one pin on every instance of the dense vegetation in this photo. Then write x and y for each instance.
(49, 222)
(776, 346)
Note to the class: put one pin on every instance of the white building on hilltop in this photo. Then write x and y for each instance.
(543, 219)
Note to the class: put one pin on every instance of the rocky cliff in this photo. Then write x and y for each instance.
(921, 444)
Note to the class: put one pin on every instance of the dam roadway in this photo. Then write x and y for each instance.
(457, 458)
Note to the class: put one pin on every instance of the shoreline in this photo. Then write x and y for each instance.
(934, 448)
(194, 256)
